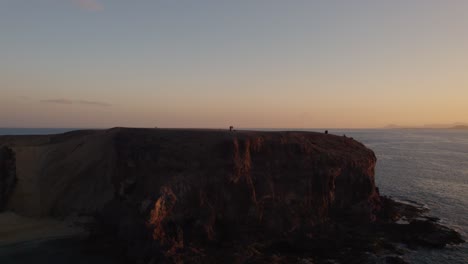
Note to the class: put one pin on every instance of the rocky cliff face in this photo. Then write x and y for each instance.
(7, 175)
(199, 186)
(186, 194)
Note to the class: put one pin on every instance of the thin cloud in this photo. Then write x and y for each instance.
(89, 5)
(92, 103)
(79, 102)
(57, 101)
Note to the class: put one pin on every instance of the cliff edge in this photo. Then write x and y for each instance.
(190, 194)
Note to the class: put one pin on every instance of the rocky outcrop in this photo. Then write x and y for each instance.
(211, 186)
(207, 195)
(7, 175)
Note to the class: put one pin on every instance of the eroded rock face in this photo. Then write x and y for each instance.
(7, 175)
(198, 187)
(205, 196)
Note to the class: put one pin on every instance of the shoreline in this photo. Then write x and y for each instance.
(16, 229)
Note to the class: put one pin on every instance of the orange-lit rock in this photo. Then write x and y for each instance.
(183, 189)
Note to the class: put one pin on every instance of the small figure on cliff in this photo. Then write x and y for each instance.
(326, 131)
(231, 128)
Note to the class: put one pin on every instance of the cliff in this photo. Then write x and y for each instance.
(7, 175)
(177, 194)
(260, 171)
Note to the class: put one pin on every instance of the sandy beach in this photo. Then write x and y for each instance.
(18, 229)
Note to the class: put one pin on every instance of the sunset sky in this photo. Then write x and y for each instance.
(247, 63)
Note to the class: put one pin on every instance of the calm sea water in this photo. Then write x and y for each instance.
(426, 166)
(429, 166)
(33, 131)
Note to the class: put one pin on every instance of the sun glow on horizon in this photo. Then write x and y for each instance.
(324, 64)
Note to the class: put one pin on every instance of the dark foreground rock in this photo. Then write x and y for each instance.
(7, 175)
(213, 196)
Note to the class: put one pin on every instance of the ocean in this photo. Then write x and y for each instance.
(33, 131)
(427, 166)
(430, 167)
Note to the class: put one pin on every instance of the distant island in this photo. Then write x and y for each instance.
(458, 126)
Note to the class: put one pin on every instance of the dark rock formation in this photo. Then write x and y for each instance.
(408, 223)
(211, 195)
(7, 175)
(202, 187)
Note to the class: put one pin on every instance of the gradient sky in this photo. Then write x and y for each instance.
(247, 63)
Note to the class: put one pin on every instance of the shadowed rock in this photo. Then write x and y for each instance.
(7, 175)
(210, 195)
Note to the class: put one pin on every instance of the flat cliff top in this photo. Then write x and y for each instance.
(198, 138)
(84, 169)
(189, 143)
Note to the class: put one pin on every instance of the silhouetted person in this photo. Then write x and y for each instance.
(231, 128)
(326, 131)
